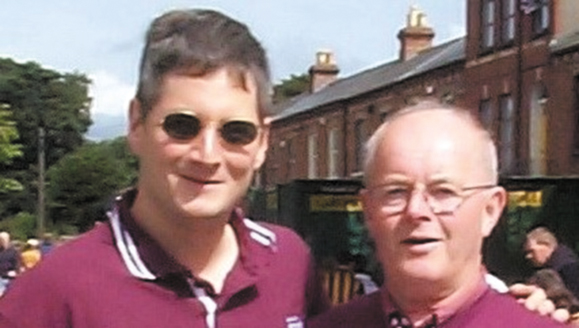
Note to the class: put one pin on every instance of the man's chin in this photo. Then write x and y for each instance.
(206, 210)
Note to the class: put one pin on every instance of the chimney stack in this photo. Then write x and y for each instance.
(416, 36)
(324, 71)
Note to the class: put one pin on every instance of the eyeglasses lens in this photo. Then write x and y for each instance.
(181, 126)
(239, 132)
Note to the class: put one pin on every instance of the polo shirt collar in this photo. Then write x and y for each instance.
(145, 259)
(395, 318)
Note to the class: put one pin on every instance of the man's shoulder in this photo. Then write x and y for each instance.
(75, 257)
(500, 310)
(365, 311)
(266, 233)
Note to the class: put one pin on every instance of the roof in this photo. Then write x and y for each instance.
(375, 78)
(565, 42)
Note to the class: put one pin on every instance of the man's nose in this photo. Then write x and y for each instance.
(206, 145)
(418, 204)
(529, 255)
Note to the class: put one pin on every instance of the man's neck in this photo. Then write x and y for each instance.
(420, 299)
(208, 247)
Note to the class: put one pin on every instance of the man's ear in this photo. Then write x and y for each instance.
(264, 143)
(134, 134)
(493, 210)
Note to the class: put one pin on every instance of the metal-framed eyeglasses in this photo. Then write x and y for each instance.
(186, 126)
(442, 198)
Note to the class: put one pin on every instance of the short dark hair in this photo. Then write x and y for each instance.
(197, 42)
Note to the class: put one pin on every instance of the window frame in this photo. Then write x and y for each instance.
(507, 140)
(508, 22)
(313, 154)
(359, 143)
(576, 110)
(541, 18)
(486, 113)
(488, 26)
(333, 153)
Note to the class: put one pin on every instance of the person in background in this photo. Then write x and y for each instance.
(544, 251)
(554, 286)
(30, 255)
(176, 251)
(47, 243)
(430, 199)
(9, 261)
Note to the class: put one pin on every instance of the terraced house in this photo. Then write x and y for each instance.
(517, 68)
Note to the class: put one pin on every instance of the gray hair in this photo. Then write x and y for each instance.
(543, 236)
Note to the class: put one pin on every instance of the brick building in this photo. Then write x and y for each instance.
(520, 83)
(517, 67)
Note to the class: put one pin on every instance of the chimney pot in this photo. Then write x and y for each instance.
(416, 36)
(324, 71)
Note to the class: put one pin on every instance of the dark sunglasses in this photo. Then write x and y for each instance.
(186, 126)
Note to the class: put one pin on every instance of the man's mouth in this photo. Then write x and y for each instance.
(419, 241)
(202, 181)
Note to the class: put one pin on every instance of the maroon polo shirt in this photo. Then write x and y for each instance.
(117, 276)
(490, 309)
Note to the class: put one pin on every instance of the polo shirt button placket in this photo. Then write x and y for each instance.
(208, 303)
(396, 320)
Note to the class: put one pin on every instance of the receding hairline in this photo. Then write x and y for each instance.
(542, 235)
(374, 142)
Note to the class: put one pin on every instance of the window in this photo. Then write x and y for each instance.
(291, 163)
(576, 141)
(271, 172)
(333, 153)
(541, 17)
(359, 139)
(507, 134)
(312, 156)
(485, 113)
(488, 24)
(508, 24)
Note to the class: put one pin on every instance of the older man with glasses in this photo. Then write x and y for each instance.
(431, 197)
(177, 251)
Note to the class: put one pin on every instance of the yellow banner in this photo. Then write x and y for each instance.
(335, 203)
(522, 198)
(271, 201)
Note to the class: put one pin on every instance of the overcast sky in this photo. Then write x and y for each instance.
(103, 38)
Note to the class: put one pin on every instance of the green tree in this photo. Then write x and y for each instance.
(291, 87)
(83, 182)
(8, 150)
(40, 97)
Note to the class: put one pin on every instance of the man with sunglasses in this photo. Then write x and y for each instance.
(431, 197)
(177, 251)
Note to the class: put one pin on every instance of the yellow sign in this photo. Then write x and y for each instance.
(335, 203)
(271, 201)
(522, 198)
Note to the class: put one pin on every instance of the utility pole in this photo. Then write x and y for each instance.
(41, 167)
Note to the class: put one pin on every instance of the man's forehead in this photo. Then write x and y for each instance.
(432, 143)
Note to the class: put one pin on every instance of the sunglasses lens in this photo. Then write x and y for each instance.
(239, 132)
(181, 126)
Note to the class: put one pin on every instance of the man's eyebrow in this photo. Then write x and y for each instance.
(396, 179)
(441, 179)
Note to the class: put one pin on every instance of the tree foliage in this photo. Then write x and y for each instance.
(83, 182)
(21, 226)
(291, 87)
(8, 150)
(37, 97)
